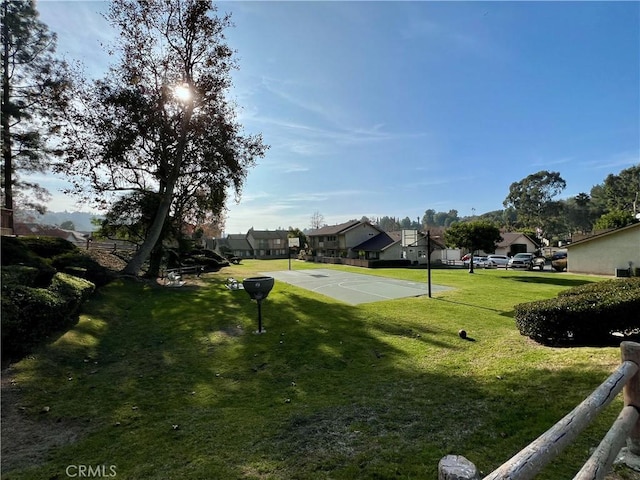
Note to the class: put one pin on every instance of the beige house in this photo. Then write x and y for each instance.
(416, 245)
(340, 240)
(604, 253)
(514, 242)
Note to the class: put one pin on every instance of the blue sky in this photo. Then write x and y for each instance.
(392, 108)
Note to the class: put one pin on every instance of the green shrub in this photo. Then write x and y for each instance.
(585, 315)
(72, 289)
(80, 265)
(31, 315)
(13, 275)
(48, 247)
(604, 287)
(17, 252)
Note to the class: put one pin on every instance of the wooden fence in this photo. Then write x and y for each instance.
(626, 429)
(111, 245)
(6, 221)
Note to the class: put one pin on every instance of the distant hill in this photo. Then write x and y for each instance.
(81, 220)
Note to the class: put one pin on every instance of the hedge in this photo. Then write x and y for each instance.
(80, 265)
(31, 315)
(390, 263)
(585, 315)
(13, 275)
(604, 287)
(48, 247)
(14, 251)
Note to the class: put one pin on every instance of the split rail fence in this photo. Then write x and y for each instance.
(626, 429)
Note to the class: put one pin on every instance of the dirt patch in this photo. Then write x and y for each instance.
(30, 432)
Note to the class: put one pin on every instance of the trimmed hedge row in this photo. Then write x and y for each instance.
(585, 315)
(32, 314)
(75, 263)
(15, 251)
(390, 263)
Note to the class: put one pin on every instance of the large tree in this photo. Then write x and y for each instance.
(533, 200)
(578, 214)
(476, 235)
(160, 122)
(619, 192)
(33, 81)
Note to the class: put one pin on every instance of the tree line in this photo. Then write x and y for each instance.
(532, 206)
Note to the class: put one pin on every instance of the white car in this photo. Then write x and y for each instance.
(495, 261)
(526, 260)
(477, 261)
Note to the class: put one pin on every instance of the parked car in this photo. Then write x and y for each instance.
(559, 260)
(526, 260)
(477, 261)
(538, 262)
(495, 261)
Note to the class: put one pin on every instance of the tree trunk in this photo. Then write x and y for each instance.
(6, 127)
(142, 254)
(155, 232)
(155, 259)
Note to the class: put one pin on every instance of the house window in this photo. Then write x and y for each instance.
(276, 241)
(332, 238)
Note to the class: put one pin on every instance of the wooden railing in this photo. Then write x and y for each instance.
(6, 221)
(111, 245)
(626, 429)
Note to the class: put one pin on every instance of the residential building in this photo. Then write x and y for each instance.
(515, 242)
(415, 246)
(79, 239)
(268, 243)
(384, 246)
(606, 253)
(236, 244)
(340, 240)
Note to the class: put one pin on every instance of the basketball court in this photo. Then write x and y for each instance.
(353, 288)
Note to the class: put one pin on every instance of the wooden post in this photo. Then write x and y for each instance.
(630, 351)
(599, 464)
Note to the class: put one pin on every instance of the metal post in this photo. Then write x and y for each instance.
(259, 300)
(429, 262)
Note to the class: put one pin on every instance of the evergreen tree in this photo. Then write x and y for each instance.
(33, 85)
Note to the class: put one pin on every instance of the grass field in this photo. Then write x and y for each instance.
(172, 383)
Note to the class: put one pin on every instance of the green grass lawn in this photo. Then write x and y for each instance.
(165, 383)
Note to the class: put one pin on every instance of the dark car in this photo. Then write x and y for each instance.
(559, 260)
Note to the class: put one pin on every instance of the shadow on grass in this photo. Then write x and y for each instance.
(560, 280)
(496, 310)
(176, 384)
